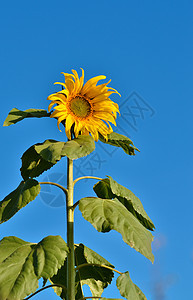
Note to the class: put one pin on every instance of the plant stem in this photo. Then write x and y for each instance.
(70, 233)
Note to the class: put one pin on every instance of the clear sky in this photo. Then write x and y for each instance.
(146, 48)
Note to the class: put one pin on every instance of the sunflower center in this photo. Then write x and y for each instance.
(80, 107)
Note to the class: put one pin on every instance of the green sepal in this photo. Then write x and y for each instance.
(108, 188)
(119, 140)
(41, 157)
(96, 277)
(16, 115)
(26, 192)
(22, 264)
(128, 289)
(107, 214)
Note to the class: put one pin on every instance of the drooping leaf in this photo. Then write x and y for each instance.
(108, 188)
(33, 164)
(22, 264)
(96, 277)
(119, 140)
(128, 289)
(107, 214)
(16, 115)
(42, 156)
(20, 197)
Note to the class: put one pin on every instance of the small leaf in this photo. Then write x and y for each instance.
(96, 277)
(25, 193)
(119, 140)
(108, 188)
(22, 264)
(16, 115)
(107, 214)
(128, 289)
(42, 156)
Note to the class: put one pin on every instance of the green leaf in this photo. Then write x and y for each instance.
(119, 140)
(109, 189)
(33, 164)
(107, 214)
(22, 264)
(79, 147)
(16, 115)
(42, 156)
(96, 277)
(20, 197)
(52, 151)
(128, 289)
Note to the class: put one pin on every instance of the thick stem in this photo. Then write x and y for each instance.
(70, 234)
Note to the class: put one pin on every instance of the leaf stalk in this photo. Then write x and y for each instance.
(86, 177)
(97, 265)
(56, 184)
(44, 288)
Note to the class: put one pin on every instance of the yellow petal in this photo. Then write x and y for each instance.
(69, 85)
(61, 83)
(77, 82)
(91, 82)
(69, 122)
(93, 132)
(52, 103)
(60, 119)
(97, 90)
(105, 116)
(81, 80)
(78, 127)
(57, 114)
(67, 75)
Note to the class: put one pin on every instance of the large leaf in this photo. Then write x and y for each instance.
(23, 263)
(128, 289)
(20, 197)
(41, 157)
(16, 115)
(119, 140)
(109, 189)
(96, 277)
(107, 214)
(52, 151)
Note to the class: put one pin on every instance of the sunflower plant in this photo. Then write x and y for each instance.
(86, 113)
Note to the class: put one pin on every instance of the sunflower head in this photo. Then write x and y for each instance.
(84, 108)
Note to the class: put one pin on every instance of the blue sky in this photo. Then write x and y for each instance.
(146, 48)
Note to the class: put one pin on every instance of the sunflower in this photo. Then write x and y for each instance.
(84, 108)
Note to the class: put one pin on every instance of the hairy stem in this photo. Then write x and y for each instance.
(70, 234)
